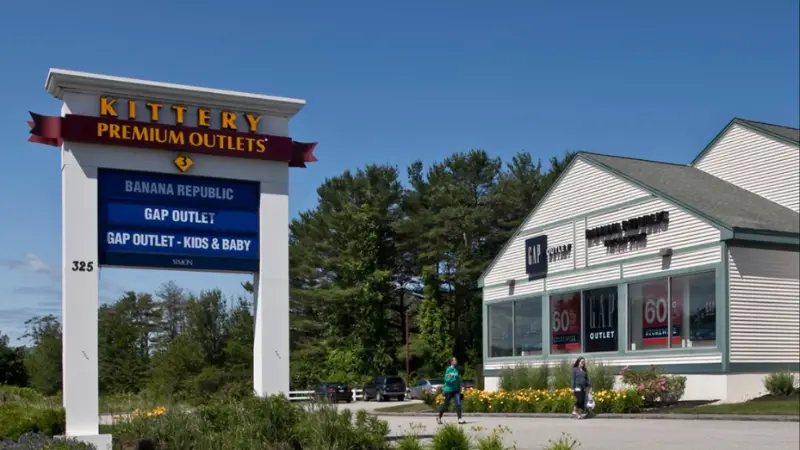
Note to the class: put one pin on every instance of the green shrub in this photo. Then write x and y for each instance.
(450, 437)
(17, 419)
(565, 442)
(495, 439)
(780, 383)
(655, 387)
(35, 441)
(16, 394)
(410, 440)
(561, 375)
(430, 397)
(524, 377)
(254, 422)
(602, 377)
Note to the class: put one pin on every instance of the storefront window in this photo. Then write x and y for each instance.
(697, 294)
(500, 330)
(651, 315)
(600, 328)
(565, 323)
(528, 327)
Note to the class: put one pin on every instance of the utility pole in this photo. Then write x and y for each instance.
(408, 349)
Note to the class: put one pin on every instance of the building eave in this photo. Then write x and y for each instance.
(766, 237)
(740, 122)
(60, 81)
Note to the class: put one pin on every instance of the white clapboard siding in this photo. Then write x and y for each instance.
(561, 235)
(760, 164)
(581, 189)
(677, 261)
(683, 230)
(568, 279)
(511, 264)
(764, 296)
(499, 291)
(580, 244)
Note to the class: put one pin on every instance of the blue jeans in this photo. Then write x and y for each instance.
(451, 396)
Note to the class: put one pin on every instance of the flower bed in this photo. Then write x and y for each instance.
(547, 401)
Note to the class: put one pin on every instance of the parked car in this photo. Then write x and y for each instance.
(385, 387)
(466, 384)
(425, 385)
(334, 392)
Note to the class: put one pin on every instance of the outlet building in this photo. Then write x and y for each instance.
(693, 268)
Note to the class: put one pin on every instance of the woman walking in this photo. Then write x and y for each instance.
(580, 383)
(452, 391)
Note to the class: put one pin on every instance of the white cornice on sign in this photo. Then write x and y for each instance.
(60, 81)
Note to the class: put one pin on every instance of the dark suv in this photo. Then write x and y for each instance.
(385, 387)
(334, 392)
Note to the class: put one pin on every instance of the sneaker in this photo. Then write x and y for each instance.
(461, 421)
(438, 420)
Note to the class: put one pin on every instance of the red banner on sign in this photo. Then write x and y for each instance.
(52, 130)
(655, 311)
(565, 322)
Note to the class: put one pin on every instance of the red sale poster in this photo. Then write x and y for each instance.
(565, 322)
(655, 308)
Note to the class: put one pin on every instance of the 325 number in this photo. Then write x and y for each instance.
(82, 266)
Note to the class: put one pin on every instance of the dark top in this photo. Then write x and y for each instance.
(579, 379)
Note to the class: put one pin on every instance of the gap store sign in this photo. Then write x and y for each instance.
(177, 221)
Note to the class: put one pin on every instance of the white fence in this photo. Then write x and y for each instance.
(296, 396)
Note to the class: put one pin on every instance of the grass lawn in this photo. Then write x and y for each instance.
(783, 407)
(405, 408)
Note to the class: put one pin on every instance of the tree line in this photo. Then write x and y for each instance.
(377, 251)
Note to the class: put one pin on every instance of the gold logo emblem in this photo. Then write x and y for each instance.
(183, 162)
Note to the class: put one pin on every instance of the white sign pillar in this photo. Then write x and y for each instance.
(271, 345)
(80, 299)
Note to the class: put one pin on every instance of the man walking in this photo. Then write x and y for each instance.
(452, 391)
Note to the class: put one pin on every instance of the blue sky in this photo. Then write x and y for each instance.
(391, 82)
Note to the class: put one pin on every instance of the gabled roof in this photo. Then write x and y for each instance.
(781, 133)
(713, 199)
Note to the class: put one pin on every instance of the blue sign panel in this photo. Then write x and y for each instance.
(177, 217)
(177, 190)
(177, 221)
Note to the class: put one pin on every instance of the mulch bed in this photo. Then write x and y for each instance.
(679, 405)
(776, 398)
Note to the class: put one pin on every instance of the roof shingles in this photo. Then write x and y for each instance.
(717, 200)
(788, 133)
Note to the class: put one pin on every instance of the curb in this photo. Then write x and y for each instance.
(644, 416)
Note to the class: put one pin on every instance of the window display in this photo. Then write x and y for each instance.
(600, 331)
(528, 327)
(500, 330)
(565, 323)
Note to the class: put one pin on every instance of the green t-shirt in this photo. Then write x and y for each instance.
(452, 380)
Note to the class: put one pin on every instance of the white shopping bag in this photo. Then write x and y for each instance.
(589, 401)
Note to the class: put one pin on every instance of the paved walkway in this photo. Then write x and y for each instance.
(532, 433)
